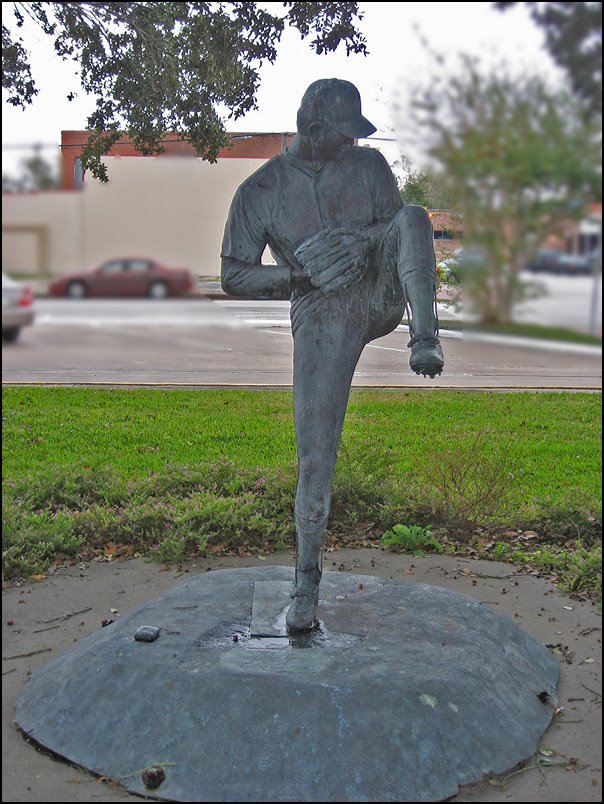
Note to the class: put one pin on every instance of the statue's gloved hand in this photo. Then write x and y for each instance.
(334, 259)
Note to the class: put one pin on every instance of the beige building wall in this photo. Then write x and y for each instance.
(41, 233)
(172, 209)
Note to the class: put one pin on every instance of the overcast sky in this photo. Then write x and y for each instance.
(394, 33)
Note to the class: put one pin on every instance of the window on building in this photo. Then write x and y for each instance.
(443, 234)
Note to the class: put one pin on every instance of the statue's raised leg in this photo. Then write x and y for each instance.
(417, 273)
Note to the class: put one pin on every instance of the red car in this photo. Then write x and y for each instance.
(125, 277)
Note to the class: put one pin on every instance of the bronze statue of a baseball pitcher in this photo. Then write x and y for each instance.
(350, 256)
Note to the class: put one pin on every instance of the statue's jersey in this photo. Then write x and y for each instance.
(287, 201)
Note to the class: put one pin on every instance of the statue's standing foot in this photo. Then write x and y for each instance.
(426, 355)
(305, 598)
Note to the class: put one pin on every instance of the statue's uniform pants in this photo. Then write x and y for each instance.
(330, 332)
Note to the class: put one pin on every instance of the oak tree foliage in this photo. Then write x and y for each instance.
(158, 67)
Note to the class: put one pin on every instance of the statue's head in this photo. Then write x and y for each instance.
(335, 104)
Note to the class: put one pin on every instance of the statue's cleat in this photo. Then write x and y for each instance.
(301, 613)
(426, 355)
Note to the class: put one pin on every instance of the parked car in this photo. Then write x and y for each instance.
(558, 262)
(17, 308)
(125, 277)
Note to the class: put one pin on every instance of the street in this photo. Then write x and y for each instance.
(197, 342)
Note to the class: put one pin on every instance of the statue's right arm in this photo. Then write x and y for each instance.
(258, 281)
(245, 238)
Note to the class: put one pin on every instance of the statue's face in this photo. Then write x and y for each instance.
(326, 141)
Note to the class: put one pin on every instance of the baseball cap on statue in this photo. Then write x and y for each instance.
(336, 102)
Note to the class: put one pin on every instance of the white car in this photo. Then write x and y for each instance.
(17, 308)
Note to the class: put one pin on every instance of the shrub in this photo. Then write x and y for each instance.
(411, 539)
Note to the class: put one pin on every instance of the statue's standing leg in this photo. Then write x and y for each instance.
(416, 264)
(327, 347)
(329, 337)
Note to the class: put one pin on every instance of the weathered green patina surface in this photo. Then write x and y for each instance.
(350, 256)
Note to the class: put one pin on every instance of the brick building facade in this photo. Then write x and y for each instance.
(242, 146)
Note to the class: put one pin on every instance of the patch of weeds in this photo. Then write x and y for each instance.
(557, 523)
(76, 490)
(171, 548)
(30, 541)
(468, 485)
(586, 573)
(361, 486)
(176, 528)
(412, 539)
(217, 508)
(456, 500)
(575, 568)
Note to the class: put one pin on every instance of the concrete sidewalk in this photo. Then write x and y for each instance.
(44, 618)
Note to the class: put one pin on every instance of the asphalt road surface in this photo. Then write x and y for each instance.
(199, 342)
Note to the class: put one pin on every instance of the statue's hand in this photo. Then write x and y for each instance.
(333, 259)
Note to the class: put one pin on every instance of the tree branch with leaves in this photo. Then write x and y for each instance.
(158, 67)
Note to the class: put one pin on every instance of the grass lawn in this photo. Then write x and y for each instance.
(178, 473)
